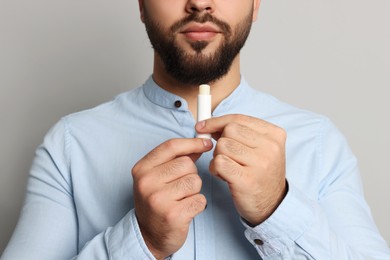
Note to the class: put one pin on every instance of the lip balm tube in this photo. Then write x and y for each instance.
(204, 107)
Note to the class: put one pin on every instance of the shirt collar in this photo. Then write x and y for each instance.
(166, 99)
(239, 95)
(161, 97)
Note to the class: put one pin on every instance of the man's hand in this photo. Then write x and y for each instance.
(166, 193)
(250, 157)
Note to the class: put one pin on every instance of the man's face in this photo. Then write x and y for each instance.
(197, 42)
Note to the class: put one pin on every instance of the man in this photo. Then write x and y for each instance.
(277, 182)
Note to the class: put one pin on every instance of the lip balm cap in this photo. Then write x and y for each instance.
(204, 89)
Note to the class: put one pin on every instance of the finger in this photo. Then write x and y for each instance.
(235, 150)
(175, 191)
(218, 124)
(172, 149)
(227, 169)
(174, 169)
(190, 207)
(181, 188)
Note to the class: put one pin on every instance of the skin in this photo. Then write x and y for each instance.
(249, 155)
(170, 11)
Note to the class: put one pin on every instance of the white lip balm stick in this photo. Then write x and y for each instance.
(204, 107)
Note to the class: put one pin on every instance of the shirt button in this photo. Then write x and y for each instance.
(177, 103)
(258, 242)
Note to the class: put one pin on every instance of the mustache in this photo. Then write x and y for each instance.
(196, 17)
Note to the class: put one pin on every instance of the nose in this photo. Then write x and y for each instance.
(199, 6)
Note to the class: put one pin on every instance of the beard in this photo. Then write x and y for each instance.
(198, 68)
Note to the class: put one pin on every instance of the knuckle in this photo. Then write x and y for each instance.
(235, 148)
(221, 143)
(138, 169)
(282, 133)
(155, 200)
(135, 170)
(248, 133)
(180, 165)
(187, 183)
(223, 166)
(197, 204)
(142, 184)
(278, 131)
(185, 160)
(242, 129)
(274, 147)
(264, 164)
(231, 129)
(197, 182)
(172, 215)
(219, 161)
(187, 163)
(170, 144)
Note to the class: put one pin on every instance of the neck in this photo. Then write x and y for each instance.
(220, 89)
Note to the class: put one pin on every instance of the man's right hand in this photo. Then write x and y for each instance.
(166, 193)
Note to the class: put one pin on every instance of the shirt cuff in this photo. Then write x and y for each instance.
(124, 240)
(280, 231)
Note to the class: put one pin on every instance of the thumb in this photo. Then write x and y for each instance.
(208, 146)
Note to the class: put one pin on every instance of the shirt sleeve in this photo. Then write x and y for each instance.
(335, 225)
(48, 227)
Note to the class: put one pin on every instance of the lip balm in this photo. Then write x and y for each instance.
(204, 107)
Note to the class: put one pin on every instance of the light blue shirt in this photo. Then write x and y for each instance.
(79, 201)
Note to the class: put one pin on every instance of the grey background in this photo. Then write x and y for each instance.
(58, 57)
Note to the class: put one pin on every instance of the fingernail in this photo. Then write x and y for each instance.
(207, 142)
(201, 124)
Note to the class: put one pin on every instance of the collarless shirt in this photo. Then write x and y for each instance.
(79, 201)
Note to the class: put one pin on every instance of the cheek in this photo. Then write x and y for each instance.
(165, 12)
(235, 12)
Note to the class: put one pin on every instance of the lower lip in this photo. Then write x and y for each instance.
(200, 36)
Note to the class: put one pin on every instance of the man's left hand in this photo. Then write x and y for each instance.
(250, 157)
